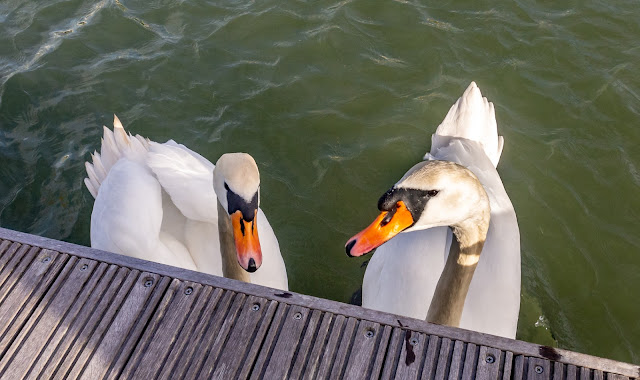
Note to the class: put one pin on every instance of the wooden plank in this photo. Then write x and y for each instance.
(430, 363)
(214, 310)
(222, 336)
(98, 306)
(30, 321)
(558, 371)
(244, 339)
(508, 366)
(572, 372)
(43, 323)
(95, 356)
(187, 338)
(598, 375)
(412, 355)
(518, 367)
(446, 350)
(306, 343)
(380, 353)
(488, 363)
(4, 244)
(128, 325)
(331, 346)
(262, 361)
(162, 331)
(255, 348)
(25, 295)
(363, 351)
(8, 251)
(66, 327)
(457, 360)
(539, 369)
(318, 347)
(20, 257)
(394, 350)
(613, 376)
(585, 373)
(344, 348)
(286, 343)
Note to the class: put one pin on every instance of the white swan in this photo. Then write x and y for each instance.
(164, 202)
(404, 273)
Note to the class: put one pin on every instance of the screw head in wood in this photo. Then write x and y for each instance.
(414, 341)
(148, 282)
(84, 267)
(490, 359)
(539, 369)
(297, 316)
(255, 307)
(188, 290)
(46, 259)
(369, 333)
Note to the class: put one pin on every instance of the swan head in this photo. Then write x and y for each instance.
(431, 194)
(236, 181)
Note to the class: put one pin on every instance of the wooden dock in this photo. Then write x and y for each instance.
(68, 311)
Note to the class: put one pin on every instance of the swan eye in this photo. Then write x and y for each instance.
(226, 187)
(432, 193)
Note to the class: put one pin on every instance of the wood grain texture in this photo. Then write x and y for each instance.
(73, 312)
(36, 333)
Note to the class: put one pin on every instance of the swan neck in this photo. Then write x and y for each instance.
(230, 266)
(453, 285)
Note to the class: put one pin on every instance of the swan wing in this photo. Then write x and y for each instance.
(127, 217)
(187, 177)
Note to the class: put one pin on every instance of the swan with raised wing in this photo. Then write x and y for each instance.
(453, 250)
(168, 204)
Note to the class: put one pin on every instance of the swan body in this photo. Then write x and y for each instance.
(402, 275)
(158, 202)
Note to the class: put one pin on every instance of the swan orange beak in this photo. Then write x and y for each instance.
(387, 225)
(245, 235)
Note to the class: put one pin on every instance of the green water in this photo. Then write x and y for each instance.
(335, 100)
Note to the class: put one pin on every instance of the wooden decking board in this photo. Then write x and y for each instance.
(221, 342)
(206, 331)
(79, 333)
(73, 312)
(309, 367)
(301, 354)
(196, 342)
(184, 340)
(26, 294)
(152, 348)
(73, 315)
(52, 310)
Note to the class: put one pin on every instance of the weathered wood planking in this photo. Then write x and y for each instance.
(73, 312)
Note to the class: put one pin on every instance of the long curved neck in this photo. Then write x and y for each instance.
(230, 266)
(453, 285)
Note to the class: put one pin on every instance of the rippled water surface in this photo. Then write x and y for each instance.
(335, 100)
